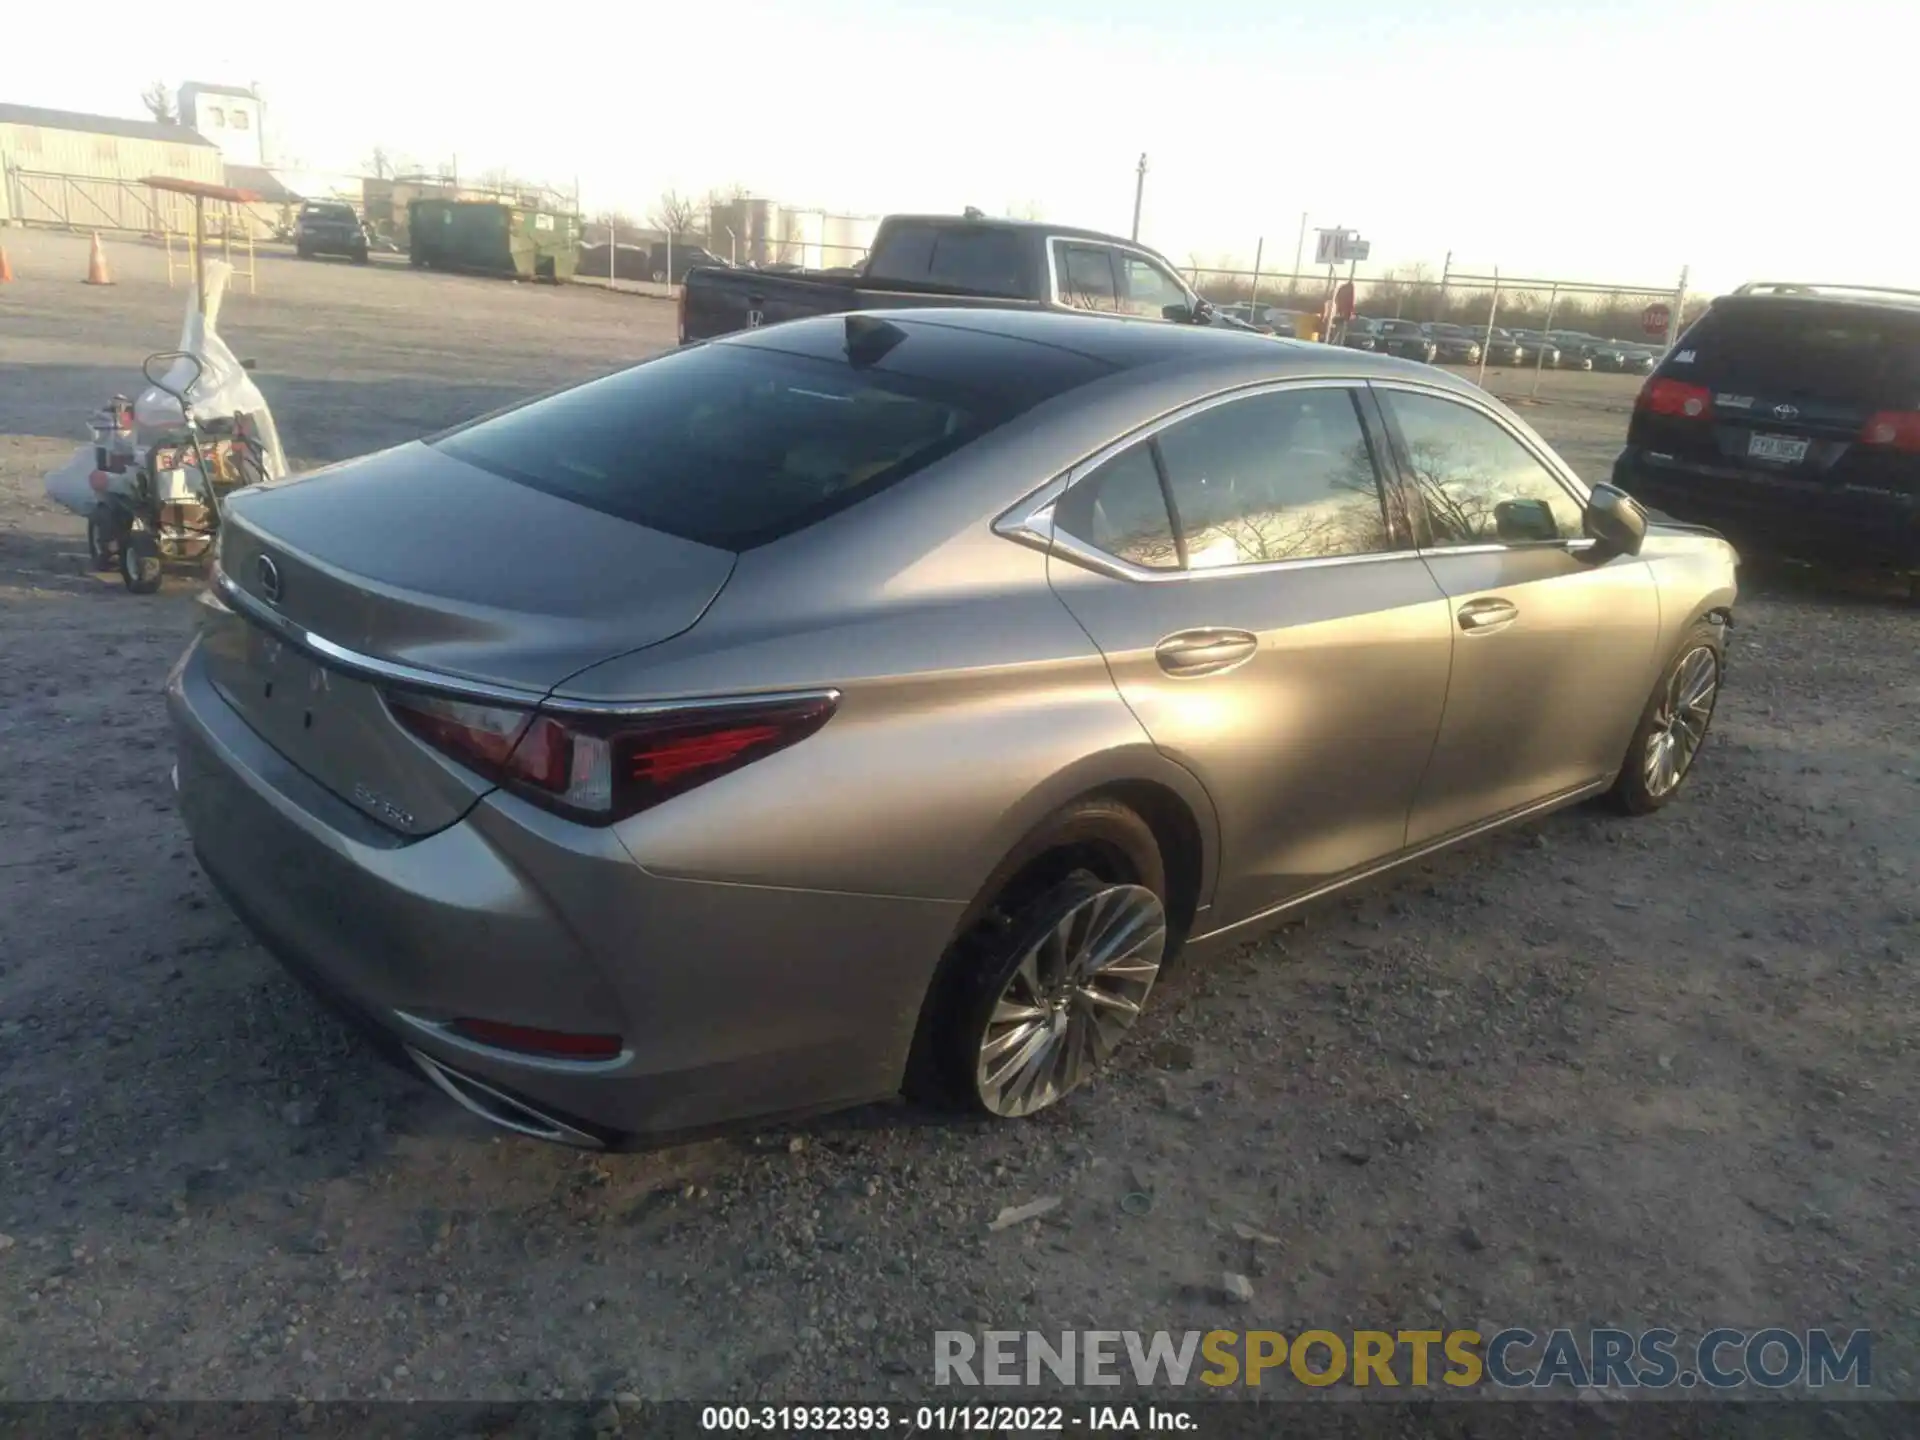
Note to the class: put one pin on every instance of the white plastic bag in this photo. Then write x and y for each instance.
(72, 484)
(223, 389)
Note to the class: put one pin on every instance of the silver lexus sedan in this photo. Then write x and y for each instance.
(881, 701)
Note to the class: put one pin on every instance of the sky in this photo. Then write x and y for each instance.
(1605, 142)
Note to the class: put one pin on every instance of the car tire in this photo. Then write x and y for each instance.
(140, 566)
(659, 277)
(1674, 725)
(1080, 907)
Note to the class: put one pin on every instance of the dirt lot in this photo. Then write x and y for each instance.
(1638, 1072)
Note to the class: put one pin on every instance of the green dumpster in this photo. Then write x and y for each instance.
(485, 237)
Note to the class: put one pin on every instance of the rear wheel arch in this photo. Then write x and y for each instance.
(1171, 801)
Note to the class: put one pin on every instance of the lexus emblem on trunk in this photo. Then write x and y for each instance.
(1785, 412)
(269, 574)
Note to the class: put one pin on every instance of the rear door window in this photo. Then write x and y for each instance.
(1086, 277)
(1287, 475)
(737, 444)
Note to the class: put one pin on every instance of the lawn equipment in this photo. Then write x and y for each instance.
(159, 502)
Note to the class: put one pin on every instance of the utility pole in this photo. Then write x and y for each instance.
(1679, 304)
(1139, 190)
(1299, 251)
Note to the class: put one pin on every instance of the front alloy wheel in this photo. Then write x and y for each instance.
(1673, 726)
(1680, 723)
(1074, 987)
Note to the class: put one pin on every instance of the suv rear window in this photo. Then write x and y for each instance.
(978, 259)
(327, 212)
(735, 445)
(1834, 350)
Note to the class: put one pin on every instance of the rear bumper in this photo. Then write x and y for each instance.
(732, 1001)
(1762, 515)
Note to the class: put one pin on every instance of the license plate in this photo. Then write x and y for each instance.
(1783, 448)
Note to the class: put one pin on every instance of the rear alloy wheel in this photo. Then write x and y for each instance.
(1673, 727)
(1073, 981)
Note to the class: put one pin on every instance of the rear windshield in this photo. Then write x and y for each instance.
(735, 445)
(327, 212)
(1809, 349)
(977, 259)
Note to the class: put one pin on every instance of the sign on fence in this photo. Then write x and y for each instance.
(1656, 318)
(1338, 247)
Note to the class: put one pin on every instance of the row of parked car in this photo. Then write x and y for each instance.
(1436, 342)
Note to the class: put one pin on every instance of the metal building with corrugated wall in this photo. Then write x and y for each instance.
(84, 172)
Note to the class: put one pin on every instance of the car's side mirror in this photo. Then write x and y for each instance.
(1615, 520)
(1518, 521)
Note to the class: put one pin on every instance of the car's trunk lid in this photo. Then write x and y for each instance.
(411, 567)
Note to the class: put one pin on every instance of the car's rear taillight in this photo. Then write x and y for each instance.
(599, 769)
(1660, 396)
(1893, 429)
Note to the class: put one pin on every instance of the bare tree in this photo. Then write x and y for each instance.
(611, 224)
(380, 162)
(674, 212)
(159, 102)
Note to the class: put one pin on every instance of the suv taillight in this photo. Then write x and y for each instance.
(1675, 397)
(599, 770)
(1894, 429)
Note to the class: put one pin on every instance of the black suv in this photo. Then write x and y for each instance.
(327, 227)
(1788, 417)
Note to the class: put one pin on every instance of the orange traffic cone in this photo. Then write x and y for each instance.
(97, 264)
(6, 267)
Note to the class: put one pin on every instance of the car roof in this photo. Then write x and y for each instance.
(1124, 343)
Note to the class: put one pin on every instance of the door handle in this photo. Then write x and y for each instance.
(1191, 653)
(1483, 617)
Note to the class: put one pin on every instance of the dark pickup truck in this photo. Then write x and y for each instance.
(953, 260)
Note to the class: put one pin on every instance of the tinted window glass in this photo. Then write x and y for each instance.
(1086, 277)
(1149, 290)
(1121, 510)
(1828, 350)
(1284, 476)
(975, 258)
(736, 445)
(1477, 482)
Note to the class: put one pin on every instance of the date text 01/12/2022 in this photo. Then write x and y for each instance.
(930, 1419)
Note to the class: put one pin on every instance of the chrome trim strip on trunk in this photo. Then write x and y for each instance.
(227, 594)
(365, 667)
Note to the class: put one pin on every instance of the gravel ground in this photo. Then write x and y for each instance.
(1595, 1070)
